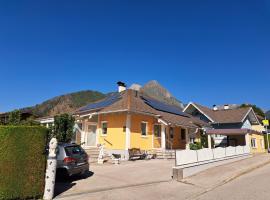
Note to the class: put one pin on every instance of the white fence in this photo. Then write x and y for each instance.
(185, 157)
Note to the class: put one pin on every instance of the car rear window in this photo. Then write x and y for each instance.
(74, 150)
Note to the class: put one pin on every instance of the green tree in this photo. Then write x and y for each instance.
(14, 117)
(63, 127)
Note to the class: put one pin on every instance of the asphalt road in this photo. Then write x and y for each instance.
(252, 186)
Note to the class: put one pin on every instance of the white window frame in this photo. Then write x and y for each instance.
(146, 128)
(104, 122)
(253, 143)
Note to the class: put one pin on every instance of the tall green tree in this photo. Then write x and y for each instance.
(63, 127)
(14, 117)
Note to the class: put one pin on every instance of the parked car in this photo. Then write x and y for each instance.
(71, 159)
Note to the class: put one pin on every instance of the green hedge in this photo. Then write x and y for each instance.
(22, 161)
(265, 140)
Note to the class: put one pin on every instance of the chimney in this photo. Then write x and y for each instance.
(215, 107)
(121, 86)
(226, 107)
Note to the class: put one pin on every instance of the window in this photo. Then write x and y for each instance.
(183, 134)
(253, 143)
(74, 150)
(157, 130)
(104, 128)
(143, 128)
(192, 140)
(171, 132)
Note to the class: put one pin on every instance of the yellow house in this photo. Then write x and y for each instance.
(131, 119)
(231, 126)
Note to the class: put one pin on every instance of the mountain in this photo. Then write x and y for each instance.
(157, 91)
(65, 103)
(70, 102)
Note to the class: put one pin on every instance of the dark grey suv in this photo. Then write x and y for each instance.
(71, 159)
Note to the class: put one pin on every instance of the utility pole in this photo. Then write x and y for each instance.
(265, 126)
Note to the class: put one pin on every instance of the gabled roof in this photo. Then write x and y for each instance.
(237, 115)
(134, 101)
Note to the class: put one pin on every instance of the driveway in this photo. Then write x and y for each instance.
(151, 180)
(108, 177)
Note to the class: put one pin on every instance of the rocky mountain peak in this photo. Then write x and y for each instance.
(155, 90)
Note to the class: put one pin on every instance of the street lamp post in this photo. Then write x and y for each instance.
(265, 123)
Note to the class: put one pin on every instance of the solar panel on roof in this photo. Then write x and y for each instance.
(164, 107)
(101, 104)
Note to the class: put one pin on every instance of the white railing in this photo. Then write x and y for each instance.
(186, 157)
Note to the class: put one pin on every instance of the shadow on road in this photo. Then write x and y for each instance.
(65, 183)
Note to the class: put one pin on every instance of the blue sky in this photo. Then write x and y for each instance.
(210, 52)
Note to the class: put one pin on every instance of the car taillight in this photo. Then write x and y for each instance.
(69, 160)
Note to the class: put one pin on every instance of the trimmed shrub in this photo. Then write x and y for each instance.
(22, 161)
(265, 141)
(195, 146)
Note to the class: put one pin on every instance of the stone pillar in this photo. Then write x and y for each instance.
(163, 137)
(187, 139)
(128, 127)
(209, 142)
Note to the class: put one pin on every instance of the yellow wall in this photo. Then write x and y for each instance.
(136, 138)
(260, 145)
(259, 128)
(115, 138)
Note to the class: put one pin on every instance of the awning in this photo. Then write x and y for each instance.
(231, 131)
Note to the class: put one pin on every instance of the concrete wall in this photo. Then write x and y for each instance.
(194, 157)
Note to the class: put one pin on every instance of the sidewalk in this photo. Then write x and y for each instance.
(216, 176)
(152, 180)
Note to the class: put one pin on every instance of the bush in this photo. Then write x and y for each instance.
(63, 128)
(265, 141)
(22, 161)
(195, 146)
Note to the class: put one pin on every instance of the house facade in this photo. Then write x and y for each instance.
(231, 126)
(131, 119)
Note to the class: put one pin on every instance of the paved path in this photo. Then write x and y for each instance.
(135, 181)
(107, 177)
(251, 186)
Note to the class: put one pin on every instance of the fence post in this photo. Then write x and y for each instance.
(50, 171)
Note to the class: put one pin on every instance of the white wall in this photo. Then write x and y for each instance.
(184, 157)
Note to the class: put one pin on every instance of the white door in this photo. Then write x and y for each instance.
(91, 135)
